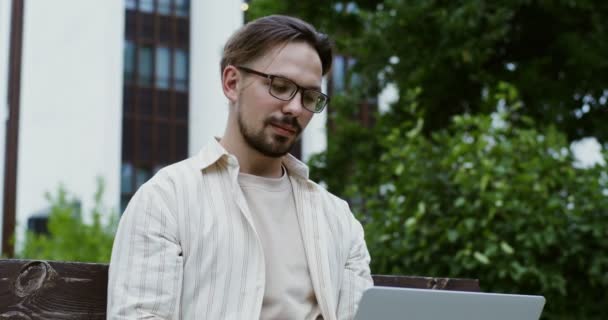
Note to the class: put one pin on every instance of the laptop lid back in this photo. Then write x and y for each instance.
(418, 304)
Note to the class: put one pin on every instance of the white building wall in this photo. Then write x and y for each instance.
(71, 102)
(211, 24)
(314, 137)
(5, 20)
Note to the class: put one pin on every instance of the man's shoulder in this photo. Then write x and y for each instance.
(187, 165)
(177, 174)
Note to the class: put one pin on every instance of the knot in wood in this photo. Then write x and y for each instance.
(33, 276)
(439, 283)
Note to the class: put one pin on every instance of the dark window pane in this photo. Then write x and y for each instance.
(164, 7)
(141, 176)
(180, 70)
(127, 100)
(181, 142)
(126, 178)
(164, 143)
(183, 32)
(163, 63)
(181, 106)
(182, 8)
(155, 98)
(145, 65)
(164, 104)
(146, 5)
(166, 29)
(129, 61)
(130, 25)
(124, 200)
(147, 26)
(127, 139)
(131, 4)
(145, 101)
(145, 147)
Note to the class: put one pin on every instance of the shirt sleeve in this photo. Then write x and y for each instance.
(145, 275)
(357, 277)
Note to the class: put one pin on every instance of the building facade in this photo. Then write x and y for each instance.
(115, 89)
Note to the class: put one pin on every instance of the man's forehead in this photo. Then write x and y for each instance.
(297, 61)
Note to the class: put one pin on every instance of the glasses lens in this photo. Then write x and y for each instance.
(314, 100)
(282, 88)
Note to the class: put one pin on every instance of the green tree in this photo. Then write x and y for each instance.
(489, 197)
(470, 173)
(69, 237)
(553, 52)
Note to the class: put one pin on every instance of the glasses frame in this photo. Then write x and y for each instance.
(271, 77)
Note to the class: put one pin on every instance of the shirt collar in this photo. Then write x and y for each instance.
(214, 152)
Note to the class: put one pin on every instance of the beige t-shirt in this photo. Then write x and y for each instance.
(289, 293)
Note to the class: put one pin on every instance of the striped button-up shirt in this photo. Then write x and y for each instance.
(186, 247)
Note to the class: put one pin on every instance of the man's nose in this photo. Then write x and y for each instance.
(294, 106)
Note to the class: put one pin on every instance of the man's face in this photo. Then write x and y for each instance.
(267, 124)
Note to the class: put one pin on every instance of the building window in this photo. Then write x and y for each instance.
(182, 8)
(338, 73)
(155, 101)
(181, 70)
(163, 67)
(144, 66)
(146, 6)
(341, 80)
(131, 4)
(129, 65)
(164, 7)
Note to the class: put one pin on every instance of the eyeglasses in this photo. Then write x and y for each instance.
(285, 89)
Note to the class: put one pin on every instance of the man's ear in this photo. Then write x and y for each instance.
(230, 81)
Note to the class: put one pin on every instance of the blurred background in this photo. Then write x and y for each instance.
(469, 137)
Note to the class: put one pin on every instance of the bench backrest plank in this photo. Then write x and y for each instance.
(36, 289)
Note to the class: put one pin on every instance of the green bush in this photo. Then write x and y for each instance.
(70, 238)
(491, 197)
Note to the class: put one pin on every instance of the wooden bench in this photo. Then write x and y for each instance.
(36, 289)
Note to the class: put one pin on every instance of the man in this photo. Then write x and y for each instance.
(238, 231)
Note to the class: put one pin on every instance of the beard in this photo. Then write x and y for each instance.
(268, 144)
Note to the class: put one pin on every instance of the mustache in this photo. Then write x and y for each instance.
(289, 121)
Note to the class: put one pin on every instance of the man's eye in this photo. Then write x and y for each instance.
(279, 87)
(282, 87)
(310, 99)
(313, 98)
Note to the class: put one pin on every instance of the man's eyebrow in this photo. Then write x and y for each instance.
(314, 87)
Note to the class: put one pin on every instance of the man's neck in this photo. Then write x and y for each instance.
(250, 160)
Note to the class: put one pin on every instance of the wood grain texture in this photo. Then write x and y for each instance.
(52, 290)
(35, 289)
(427, 283)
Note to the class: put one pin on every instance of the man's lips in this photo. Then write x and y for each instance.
(284, 128)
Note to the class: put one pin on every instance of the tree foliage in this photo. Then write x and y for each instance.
(489, 197)
(69, 237)
(470, 173)
(553, 52)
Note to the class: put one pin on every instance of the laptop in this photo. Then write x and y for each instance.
(386, 303)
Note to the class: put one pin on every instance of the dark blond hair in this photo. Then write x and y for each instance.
(259, 36)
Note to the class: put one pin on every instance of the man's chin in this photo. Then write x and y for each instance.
(273, 145)
(278, 148)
